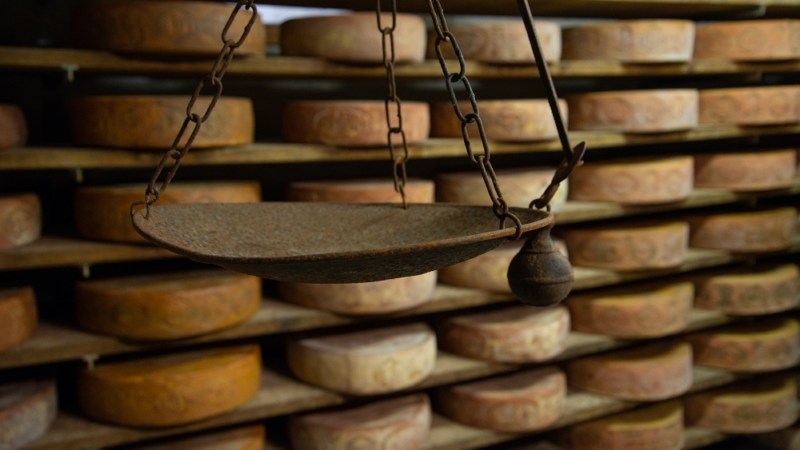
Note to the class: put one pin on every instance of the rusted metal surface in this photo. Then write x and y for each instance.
(330, 243)
(540, 275)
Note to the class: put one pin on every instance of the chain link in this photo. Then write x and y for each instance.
(214, 78)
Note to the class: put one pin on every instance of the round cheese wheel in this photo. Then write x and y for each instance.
(763, 105)
(520, 402)
(166, 306)
(652, 111)
(151, 122)
(755, 407)
(171, 390)
(750, 171)
(757, 347)
(20, 220)
(360, 191)
(658, 427)
(516, 334)
(519, 187)
(749, 292)
(353, 37)
(400, 423)
(27, 410)
(163, 27)
(18, 316)
(653, 372)
(500, 42)
(352, 123)
(248, 438)
(366, 362)
(748, 40)
(103, 212)
(634, 181)
(13, 128)
(630, 247)
(503, 120)
(632, 41)
(759, 231)
(643, 311)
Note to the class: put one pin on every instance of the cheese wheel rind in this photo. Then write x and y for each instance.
(20, 220)
(503, 120)
(13, 127)
(750, 40)
(751, 171)
(757, 231)
(500, 42)
(631, 41)
(651, 111)
(360, 191)
(27, 410)
(749, 292)
(18, 316)
(247, 438)
(763, 105)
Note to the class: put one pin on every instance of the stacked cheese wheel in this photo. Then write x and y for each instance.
(503, 120)
(642, 111)
(751, 40)
(246, 438)
(18, 316)
(765, 105)
(499, 42)
(27, 410)
(749, 292)
(13, 128)
(746, 171)
(746, 232)
(632, 41)
(20, 220)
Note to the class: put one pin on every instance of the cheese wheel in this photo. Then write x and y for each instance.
(360, 191)
(755, 407)
(759, 231)
(516, 334)
(749, 292)
(150, 122)
(20, 220)
(520, 402)
(634, 181)
(652, 111)
(520, 186)
(503, 120)
(18, 316)
(658, 427)
(751, 171)
(500, 42)
(27, 410)
(653, 372)
(400, 423)
(763, 105)
(353, 37)
(365, 362)
(757, 347)
(103, 212)
(166, 306)
(643, 311)
(748, 40)
(631, 41)
(352, 123)
(248, 438)
(13, 128)
(163, 27)
(628, 247)
(170, 390)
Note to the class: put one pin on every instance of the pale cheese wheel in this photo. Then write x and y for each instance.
(757, 347)
(749, 292)
(503, 120)
(650, 111)
(365, 362)
(163, 27)
(103, 212)
(248, 438)
(18, 316)
(755, 407)
(13, 128)
(166, 306)
(759, 231)
(170, 390)
(151, 122)
(640, 246)
(353, 37)
(748, 40)
(500, 42)
(746, 171)
(402, 423)
(520, 402)
(639, 312)
(634, 181)
(20, 220)
(631, 41)
(360, 191)
(27, 410)
(352, 123)
(763, 105)
(653, 372)
(517, 334)
(658, 427)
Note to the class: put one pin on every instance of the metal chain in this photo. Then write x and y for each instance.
(215, 79)
(398, 162)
